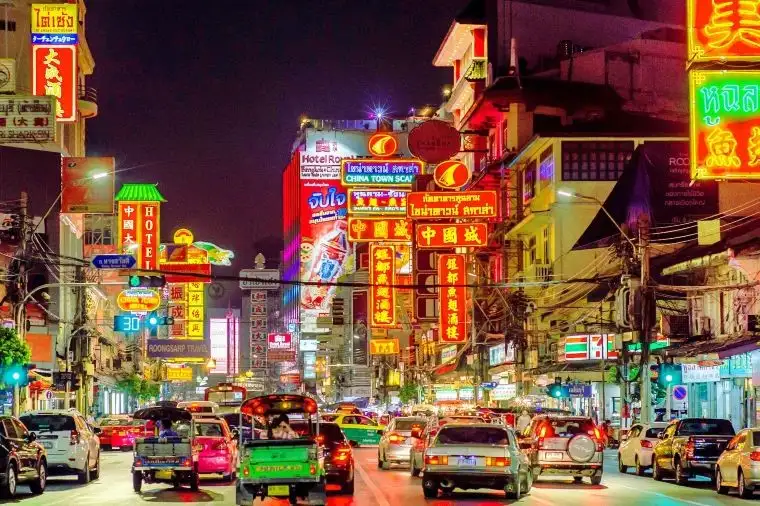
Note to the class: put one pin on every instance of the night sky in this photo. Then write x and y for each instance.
(204, 97)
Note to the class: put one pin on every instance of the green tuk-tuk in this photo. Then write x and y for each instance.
(285, 468)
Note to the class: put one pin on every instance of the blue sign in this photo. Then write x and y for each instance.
(64, 39)
(579, 390)
(127, 323)
(114, 261)
(679, 393)
(380, 172)
(489, 385)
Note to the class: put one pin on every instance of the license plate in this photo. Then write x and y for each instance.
(47, 445)
(553, 455)
(466, 461)
(278, 490)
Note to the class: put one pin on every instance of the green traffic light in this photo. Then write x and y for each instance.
(557, 393)
(668, 378)
(15, 375)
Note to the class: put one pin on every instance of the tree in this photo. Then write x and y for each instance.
(139, 388)
(408, 392)
(13, 351)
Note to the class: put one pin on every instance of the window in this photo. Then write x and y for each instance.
(473, 436)
(635, 431)
(755, 438)
(547, 247)
(700, 426)
(7, 25)
(652, 433)
(49, 423)
(350, 420)
(408, 424)
(363, 420)
(20, 429)
(10, 429)
(545, 168)
(529, 182)
(595, 161)
(209, 429)
(531, 251)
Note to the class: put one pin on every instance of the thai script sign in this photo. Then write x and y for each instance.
(380, 172)
(471, 204)
(378, 201)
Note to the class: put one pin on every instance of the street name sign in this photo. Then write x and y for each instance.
(114, 261)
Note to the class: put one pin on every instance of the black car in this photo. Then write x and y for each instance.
(22, 458)
(339, 457)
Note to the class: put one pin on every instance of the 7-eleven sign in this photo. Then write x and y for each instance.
(602, 347)
(576, 347)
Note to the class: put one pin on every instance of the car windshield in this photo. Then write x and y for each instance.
(756, 438)
(653, 433)
(473, 436)
(566, 427)
(696, 427)
(110, 422)
(460, 419)
(331, 433)
(206, 429)
(301, 427)
(409, 424)
(49, 423)
(329, 418)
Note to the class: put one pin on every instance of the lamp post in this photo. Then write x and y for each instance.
(566, 193)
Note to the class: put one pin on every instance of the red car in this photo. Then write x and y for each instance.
(119, 432)
(217, 449)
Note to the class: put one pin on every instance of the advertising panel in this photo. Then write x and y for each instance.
(178, 348)
(384, 347)
(139, 230)
(434, 141)
(310, 365)
(725, 138)
(382, 277)
(382, 144)
(359, 324)
(54, 73)
(54, 23)
(280, 347)
(590, 347)
(180, 373)
(723, 31)
(379, 230)
(695, 373)
(87, 185)
(470, 204)
(377, 201)
(501, 354)
(368, 172)
(453, 299)
(27, 119)
(218, 342)
(138, 299)
(321, 156)
(448, 354)
(196, 303)
(451, 235)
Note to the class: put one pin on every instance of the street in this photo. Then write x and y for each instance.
(381, 488)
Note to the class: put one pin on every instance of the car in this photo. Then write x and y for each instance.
(119, 432)
(427, 435)
(473, 456)
(359, 429)
(739, 465)
(22, 458)
(564, 446)
(690, 447)
(636, 447)
(396, 442)
(199, 408)
(72, 444)
(217, 448)
(339, 456)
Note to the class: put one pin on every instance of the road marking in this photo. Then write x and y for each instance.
(379, 497)
(694, 503)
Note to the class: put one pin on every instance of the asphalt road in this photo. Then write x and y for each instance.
(375, 487)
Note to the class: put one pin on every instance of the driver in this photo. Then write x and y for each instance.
(166, 429)
(282, 429)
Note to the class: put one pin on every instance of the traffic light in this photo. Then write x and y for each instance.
(147, 281)
(669, 374)
(557, 391)
(153, 320)
(15, 375)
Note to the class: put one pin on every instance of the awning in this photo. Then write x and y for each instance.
(713, 349)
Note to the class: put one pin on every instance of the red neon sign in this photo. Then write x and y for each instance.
(453, 299)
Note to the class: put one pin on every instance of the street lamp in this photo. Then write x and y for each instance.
(566, 193)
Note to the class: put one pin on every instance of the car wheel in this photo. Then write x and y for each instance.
(412, 468)
(744, 491)
(719, 487)
(515, 492)
(96, 471)
(639, 468)
(379, 460)
(195, 481)
(84, 476)
(623, 469)
(577, 479)
(596, 479)
(348, 487)
(430, 489)
(137, 481)
(681, 478)
(38, 485)
(8, 488)
(656, 471)
(528, 482)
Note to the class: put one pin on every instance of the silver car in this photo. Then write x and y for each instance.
(475, 456)
(396, 443)
(739, 464)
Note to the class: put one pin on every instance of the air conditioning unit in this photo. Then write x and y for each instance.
(674, 325)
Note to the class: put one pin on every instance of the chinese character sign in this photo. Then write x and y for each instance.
(723, 30)
(384, 347)
(382, 276)
(54, 73)
(725, 133)
(453, 298)
(150, 236)
(468, 204)
(384, 202)
(451, 235)
(140, 231)
(196, 296)
(259, 334)
(379, 230)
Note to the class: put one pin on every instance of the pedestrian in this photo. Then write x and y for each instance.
(523, 421)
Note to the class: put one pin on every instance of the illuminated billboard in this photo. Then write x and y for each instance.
(382, 277)
(451, 235)
(453, 298)
(378, 201)
(468, 204)
(87, 185)
(364, 172)
(54, 23)
(725, 136)
(379, 229)
(723, 30)
(54, 73)
(218, 341)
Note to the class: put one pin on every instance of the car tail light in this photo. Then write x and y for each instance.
(187, 462)
(542, 432)
(341, 455)
(312, 469)
(396, 439)
(74, 438)
(690, 449)
(246, 471)
(121, 433)
(754, 456)
(198, 447)
(320, 439)
(645, 443)
(498, 461)
(436, 460)
(597, 434)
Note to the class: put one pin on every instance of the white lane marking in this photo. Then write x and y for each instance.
(694, 503)
(379, 497)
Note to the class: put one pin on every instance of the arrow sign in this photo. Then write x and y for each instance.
(114, 261)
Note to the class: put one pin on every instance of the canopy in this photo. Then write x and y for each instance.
(277, 404)
(163, 413)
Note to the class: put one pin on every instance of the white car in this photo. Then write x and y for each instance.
(72, 445)
(636, 447)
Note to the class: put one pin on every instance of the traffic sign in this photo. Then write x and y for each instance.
(49, 394)
(114, 261)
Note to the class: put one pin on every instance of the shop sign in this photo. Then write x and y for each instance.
(452, 295)
(54, 73)
(737, 366)
(504, 392)
(179, 374)
(382, 276)
(378, 201)
(577, 390)
(379, 230)
(261, 278)
(382, 145)
(695, 373)
(434, 141)
(27, 119)
(451, 235)
(384, 347)
(138, 299)
(54, 23)
(722, 31)
(446, 394)
(367, 172)
(501, 354)
(725, 138)
(280, 348)
(468, 205)
(452, 174)
(448, 354)
(178, 348)
(590, 347)
(139, 227)
(87, 185)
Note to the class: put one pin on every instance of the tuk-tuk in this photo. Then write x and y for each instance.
(285, 468)
(165, 459)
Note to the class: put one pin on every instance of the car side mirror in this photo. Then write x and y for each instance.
(417, 433)
(31, 437)
(660, 435)
(96, 430)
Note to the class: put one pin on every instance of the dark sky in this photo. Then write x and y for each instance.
(207, 94)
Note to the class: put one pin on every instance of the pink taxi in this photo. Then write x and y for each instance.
(217, 448)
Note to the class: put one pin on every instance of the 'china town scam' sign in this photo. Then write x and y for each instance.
(54, 73)
(364, 172)
(138, 299)
(378, 201)
(382, 277)
(379, 230)
(451, 235)
(469, 204)
(453, 298)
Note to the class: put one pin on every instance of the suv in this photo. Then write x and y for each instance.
(22, 458)
(564, 446)
(72, 445)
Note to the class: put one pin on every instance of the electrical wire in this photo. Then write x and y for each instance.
(730, 212)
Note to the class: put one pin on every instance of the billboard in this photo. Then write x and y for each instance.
(452, 299)
(323, 151)
(382, 144)
(451, 235)
(54, 73)
(217, 332)
(178, 348)
(54, 23)
(359, 327)
(469, 204)
(434, 141)
(280, 347)
(452, 174)
(27, 119)
(87, 185)
(382, 277)
(139, 231)
(384, 347)
(379, 230)
(378, 201)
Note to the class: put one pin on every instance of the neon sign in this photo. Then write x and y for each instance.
(382, 275)
(453, 299)
(382, 145)
(379, 172)
(723, 30)
(451, 235)
(470, 204)
(379, 229)
(377, 201)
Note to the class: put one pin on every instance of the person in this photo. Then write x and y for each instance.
(282, 429)
(166, 429)
(607, 432)
(523, 421)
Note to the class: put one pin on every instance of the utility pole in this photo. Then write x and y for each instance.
(647, 307)
(20, 282)
(80, 341)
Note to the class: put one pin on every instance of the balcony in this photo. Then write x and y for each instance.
(538, 273)
(469, 86)
(87, 102)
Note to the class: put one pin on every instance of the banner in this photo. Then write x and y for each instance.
(178, 348)
(382, 277)
(87, 185)
(359, 326)
(453, 299)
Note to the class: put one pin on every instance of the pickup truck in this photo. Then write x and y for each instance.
(690, 447)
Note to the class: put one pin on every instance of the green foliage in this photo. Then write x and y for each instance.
(13, 351)
(139, 388)
(408, 392)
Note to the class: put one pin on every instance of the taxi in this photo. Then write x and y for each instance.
(217, 448)
(360, 429)
(119, 432)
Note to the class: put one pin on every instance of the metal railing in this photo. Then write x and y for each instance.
(87, 93)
